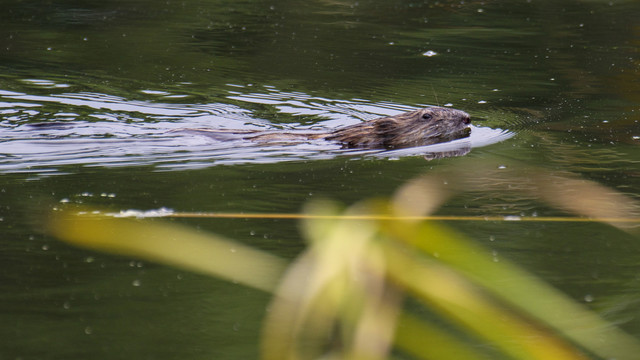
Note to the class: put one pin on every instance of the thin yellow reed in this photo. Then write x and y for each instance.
(505, 218)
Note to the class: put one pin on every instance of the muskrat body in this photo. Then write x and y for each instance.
(420, 127)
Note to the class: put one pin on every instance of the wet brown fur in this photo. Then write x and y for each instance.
(414, 128)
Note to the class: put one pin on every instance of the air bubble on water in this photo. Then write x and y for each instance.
(494, 253)
(588, 298)
(429, 53)
(88, 330)
(136, 283)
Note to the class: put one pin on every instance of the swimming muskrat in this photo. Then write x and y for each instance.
(414, 128)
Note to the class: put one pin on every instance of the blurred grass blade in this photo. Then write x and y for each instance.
(519, 289)
(425, 341)
(170, 244)
(461, 302)
(587, 198)
(335, 293)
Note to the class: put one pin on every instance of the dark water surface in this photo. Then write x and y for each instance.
(552, 84)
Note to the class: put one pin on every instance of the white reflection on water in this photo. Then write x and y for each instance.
(92, 129)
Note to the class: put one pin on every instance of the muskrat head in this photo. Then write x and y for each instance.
(414, 128)
(423, 127)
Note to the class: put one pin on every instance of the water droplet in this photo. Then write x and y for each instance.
(88, 330)
(430, 53)
(135, 283)
(495, 256)
(588, 298)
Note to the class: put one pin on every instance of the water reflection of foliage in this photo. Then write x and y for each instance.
(343, 297)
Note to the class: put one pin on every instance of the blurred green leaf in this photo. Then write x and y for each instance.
(517, 288)
(170, 244)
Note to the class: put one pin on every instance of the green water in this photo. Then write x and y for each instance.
(560, 76)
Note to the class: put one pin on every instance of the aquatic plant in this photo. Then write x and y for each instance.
(370, 273)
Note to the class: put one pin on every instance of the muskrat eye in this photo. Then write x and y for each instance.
(426, 116)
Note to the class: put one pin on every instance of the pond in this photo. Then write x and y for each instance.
(549, 85)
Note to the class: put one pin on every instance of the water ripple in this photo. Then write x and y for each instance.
(47, 133)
